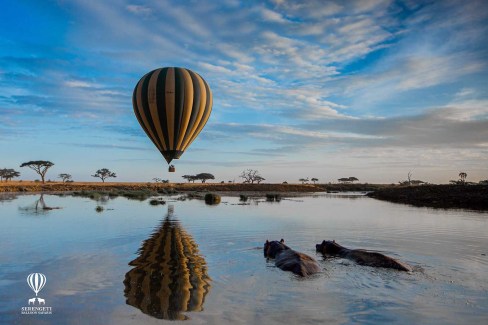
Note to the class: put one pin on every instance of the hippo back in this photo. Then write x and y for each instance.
(298, 263)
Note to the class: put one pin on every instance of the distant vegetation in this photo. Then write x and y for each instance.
(409, 181)
(462, 180)
(159, 180)
(347, 180)
(8, 174)
(65, 177)
(251, 176)
(39, 166)
(103, 174)
(198, 177)
(303, 180)
(462, 177)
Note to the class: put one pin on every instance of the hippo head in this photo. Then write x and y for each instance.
(271, 248)
(328, 247)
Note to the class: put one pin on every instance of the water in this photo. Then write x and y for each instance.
(205, 263)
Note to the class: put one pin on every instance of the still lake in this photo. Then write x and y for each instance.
(135, 263)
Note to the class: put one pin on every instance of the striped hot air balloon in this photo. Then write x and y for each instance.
(172, 106)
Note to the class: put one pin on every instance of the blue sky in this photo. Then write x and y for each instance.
(370, 88)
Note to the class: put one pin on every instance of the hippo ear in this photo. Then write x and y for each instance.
(267, 241)
(323, 242)
(333, 241)
(282, 241)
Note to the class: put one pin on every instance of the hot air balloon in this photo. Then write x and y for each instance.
(172, 106)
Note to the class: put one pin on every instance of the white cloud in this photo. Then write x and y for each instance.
(139, 10)
(78, 84)
(426, 71)
(272, 16)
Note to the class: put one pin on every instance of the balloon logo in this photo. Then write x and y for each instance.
(36, 281)
(172, 106)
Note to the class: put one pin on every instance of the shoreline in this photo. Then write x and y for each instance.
(471, 197)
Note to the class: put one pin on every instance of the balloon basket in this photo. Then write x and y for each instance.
(171, 169)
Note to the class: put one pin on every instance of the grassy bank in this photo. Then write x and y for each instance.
(474, 197)
(158, 187)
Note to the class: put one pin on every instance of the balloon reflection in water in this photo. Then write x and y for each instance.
(170, 276)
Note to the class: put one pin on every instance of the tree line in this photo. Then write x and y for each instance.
(42, 166)
(249, 175)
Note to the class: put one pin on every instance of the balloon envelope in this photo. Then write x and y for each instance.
(172, 106)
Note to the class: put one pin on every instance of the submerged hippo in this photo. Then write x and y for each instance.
(289, 260)
(360, 256)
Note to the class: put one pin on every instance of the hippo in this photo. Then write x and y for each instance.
(360, 256)
(289, 260)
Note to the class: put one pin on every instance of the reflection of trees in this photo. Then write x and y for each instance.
(169, 276)
(38, 207)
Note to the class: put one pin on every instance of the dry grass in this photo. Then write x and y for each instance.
(29, 186)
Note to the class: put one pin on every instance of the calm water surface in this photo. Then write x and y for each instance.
(138, 264)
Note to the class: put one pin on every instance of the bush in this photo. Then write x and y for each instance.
(211, 198)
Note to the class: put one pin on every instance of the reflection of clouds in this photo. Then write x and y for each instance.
(169, 276)
(81, 274)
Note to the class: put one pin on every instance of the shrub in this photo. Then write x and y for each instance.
(211, 198)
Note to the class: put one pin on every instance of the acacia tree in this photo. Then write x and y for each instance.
(204, 177)
(65, 177)
(39, 166)
(303, 180)
(462, 176)
(251, 176)
(103, 174)
(314, 180)
(259, 179)
(2, 172)
(353, 179)
(8, 174)
(189, 178)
